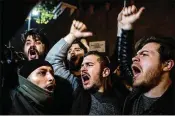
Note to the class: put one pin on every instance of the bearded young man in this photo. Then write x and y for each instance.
(96, 97)
(36, 45)
(70, 50)
(152, 71)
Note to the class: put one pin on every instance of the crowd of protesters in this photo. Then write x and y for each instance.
(67, 78)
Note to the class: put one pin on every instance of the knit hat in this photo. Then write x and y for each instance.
(30, 66)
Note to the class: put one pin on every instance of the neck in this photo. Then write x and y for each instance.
(160, 89)
(101, 90)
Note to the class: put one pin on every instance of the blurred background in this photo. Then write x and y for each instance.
(100, 16)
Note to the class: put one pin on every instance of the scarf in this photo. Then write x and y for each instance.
(39, 96)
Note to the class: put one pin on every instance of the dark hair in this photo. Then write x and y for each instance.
(166, 50)
(103, 59)
(81, 45)
(36, 33)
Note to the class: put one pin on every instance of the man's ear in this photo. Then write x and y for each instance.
(168, 65)
(106, 72)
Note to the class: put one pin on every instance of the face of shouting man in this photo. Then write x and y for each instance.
(93, 73)
(43, 77)
(147, 67)
(75, 57)
(33, 48)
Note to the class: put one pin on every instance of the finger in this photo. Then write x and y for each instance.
(86, 34)
(83, 27)
(133, 9)
(76, 24)
(129, 10)
(79, 25)
(125, 11)
(140, 12)
(73, 23)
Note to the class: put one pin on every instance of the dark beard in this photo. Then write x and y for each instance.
(73, 66)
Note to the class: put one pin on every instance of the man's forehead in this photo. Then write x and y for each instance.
(75, 46)
(30, 37)
(91, 58)
(150, 47)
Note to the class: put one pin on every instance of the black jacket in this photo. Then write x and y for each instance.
(82, 102)
(125, 53)
(163, 106)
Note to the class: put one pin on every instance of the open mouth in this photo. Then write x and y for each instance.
(33, 54)
(50, 88)
(73, 58)
(136, 71)
(85, 78)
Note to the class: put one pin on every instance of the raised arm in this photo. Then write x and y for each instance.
(58, 52)
(126, 20)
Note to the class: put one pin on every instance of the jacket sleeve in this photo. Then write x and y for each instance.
(124, 54)
(56, 57)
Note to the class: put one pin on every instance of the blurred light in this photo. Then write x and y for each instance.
(35, 12)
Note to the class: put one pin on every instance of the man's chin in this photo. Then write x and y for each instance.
(32, 58)
(86, 87)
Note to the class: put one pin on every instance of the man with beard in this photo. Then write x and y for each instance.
(152, 71)
(34, 92)
(75, 57)
(35, 47)
(74, 50)
(96, 97)
(66, 58)
(36, 44)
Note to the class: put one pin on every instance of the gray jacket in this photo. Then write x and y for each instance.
(56, 57)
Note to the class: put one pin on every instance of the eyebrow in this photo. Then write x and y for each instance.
(28, 40)
(77, 48)
(88, 63)
(142, 51)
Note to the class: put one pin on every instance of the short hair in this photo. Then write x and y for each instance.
(36, 33)
(82, 46)
(103, 59)
(166, 50)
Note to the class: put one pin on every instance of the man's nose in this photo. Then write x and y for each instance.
(135, 58)
(32, 44)
(50, 77)
(72, 52)
(83, 68)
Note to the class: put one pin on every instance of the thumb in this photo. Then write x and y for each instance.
(140, 11)
(86, 34)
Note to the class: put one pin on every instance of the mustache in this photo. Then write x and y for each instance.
(85, 74)
(32, 49)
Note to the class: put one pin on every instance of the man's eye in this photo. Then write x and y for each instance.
(27, 43)
(38, 42)
(144, 54)
(89, 64)
(69, 51)
(42, 73)
(77, 50)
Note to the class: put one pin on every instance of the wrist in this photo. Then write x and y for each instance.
(69, 38)
(72, 35)
(127, 27)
